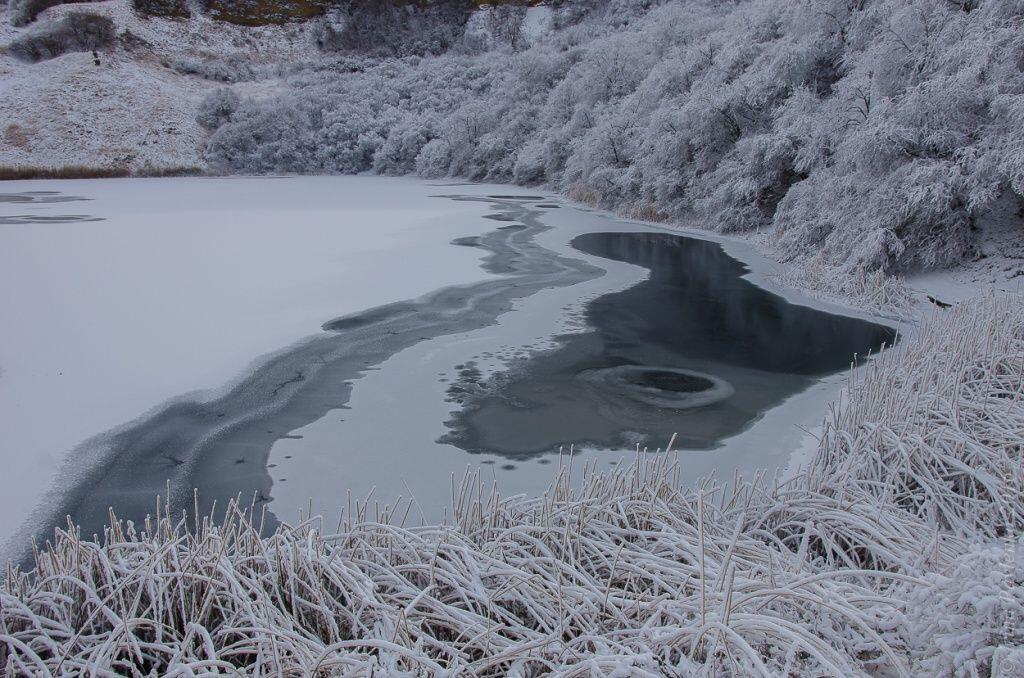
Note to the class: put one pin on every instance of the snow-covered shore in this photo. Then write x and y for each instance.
(882, 558)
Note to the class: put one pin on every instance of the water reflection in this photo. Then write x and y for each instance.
(694, 350)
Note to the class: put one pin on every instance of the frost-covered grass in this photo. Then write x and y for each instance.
(84, 172)
(892, 554)
(867, 289)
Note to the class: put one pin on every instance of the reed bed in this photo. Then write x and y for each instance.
(872, 290)
(626, 572)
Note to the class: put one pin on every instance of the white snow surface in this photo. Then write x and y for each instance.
(133, 111)
(183, 285)
(69, 112)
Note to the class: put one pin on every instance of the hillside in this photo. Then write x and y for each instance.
(133, 107)
(877, 135)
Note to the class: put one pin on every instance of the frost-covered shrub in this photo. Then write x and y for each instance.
(959, 620)
(742, 193)
(178, 9)
(505, 22)
(24, 12)
(395, 27)
(231, 69)
(75, 32)
(872, 135)
(404, 143)
(433, 160)
(332, 123)
(217, 107)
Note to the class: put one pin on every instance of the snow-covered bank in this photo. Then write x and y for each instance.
(878, 135)
(816, 126)
(69, 112)
(185, 282)
(878, 560)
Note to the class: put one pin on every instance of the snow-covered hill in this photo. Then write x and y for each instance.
(131, 107)
(850, 136)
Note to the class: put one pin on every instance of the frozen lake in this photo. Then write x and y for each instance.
(303, 340)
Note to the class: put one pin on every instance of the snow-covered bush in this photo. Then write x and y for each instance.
(338, 124)
(404, 144)
(505, 23)
(395, 27)
(217, 107)
(178, 9)
(230, 69)
(873, 135)
(24, 12)
(958, 620)
(75, 32)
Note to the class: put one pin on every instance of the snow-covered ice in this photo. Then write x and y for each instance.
(183, 284)
(180, 285)
(412, 461)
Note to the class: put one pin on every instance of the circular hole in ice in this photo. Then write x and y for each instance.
(665, 387)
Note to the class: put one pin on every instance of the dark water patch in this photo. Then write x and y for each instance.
(468, 241)
(548, 206)
(370, 317)
(675, 381)
(694, 350)
(221, 447)
(39, 197)
(467, 383)
(499, 217)
(516, 197)
(22, 219)
(664, 387)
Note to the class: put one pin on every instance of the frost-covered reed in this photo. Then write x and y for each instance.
(843, 569)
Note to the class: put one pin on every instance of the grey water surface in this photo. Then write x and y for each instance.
(695, 350)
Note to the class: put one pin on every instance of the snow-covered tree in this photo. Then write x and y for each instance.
(869, 134)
